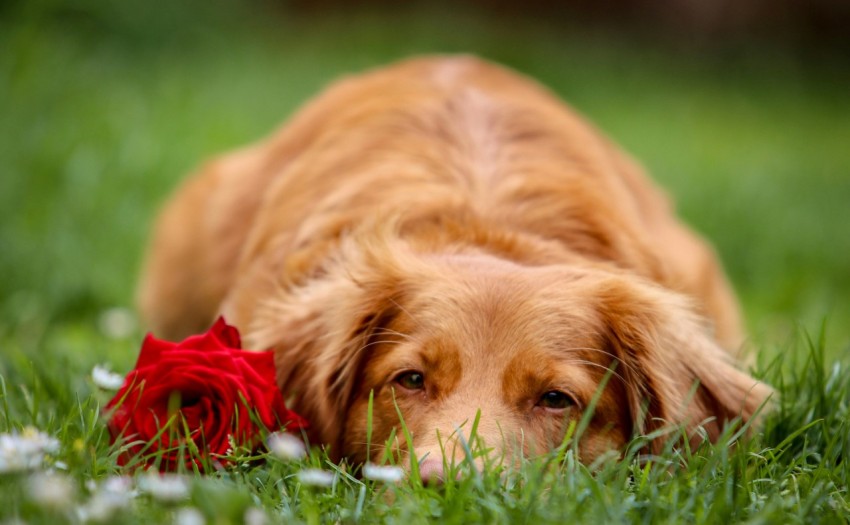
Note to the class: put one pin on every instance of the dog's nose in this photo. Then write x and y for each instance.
(432, 473)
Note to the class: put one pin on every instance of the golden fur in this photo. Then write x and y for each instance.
(449, 217)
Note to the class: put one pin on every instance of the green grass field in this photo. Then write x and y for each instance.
(105, 105)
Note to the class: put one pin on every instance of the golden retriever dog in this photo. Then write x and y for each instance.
(447, 235)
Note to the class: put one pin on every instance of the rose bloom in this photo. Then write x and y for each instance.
(210, 390)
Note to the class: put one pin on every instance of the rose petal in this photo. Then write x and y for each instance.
(227, 335)
(152, 351)
(260, 362)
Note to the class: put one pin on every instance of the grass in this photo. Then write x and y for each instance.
(106, 104)
(792, 470)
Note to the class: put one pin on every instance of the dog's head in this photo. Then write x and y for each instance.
(436, 339)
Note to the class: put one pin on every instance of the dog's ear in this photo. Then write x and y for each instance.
(323, 330)
(673, 370)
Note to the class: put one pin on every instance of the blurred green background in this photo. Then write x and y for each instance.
(105, 105)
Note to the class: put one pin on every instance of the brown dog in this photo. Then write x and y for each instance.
(448, 235)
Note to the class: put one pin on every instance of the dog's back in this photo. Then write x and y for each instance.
(445, 147)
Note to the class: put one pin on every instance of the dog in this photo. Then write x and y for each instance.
(447, 237)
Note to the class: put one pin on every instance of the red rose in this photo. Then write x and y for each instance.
(205, 385)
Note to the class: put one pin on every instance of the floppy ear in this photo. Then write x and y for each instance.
(675, 373)
(322, 332)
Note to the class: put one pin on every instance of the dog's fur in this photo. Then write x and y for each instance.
(448, 216)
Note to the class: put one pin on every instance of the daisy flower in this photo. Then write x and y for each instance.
(255, 516)
(113, 495)
(286, 446)
(105, 379)
(387, 474)
(50, 490)
(165, 487)
(25, 451)
(189, 516)
(316, 477)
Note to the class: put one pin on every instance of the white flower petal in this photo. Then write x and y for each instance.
(102, 506)
(37, 439)
(387, 474)
(119, 485)
(255, 516)
(316, 477)
(51, 490)
(165, 487)
(112, 495)
(105, 379)
(189, 516)
(286, 446)
(25, 451)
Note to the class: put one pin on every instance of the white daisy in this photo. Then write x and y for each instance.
(51, 490)
(255, 516)
(105, 379)
(165, 487)
(316, 477)
(25, 451)
(119, 485)
(111, 496)
(286, 446)
(189, 516)
(387, 474)
(102, 507)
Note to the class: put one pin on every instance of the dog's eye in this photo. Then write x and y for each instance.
(411, 380)
(556, 400)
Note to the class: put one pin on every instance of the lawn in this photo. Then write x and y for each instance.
(105, 105)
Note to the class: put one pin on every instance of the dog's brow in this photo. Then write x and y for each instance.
(405, 310)
(389, 331)
(597, 365)
(613, 357)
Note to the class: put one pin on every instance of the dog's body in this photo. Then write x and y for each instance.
(447, 234)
